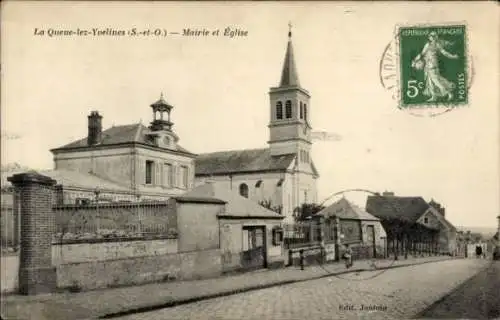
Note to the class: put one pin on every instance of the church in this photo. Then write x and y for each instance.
(136, 162)
(283, 176)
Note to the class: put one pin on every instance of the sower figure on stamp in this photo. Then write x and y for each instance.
(347, 256)
(436, 86)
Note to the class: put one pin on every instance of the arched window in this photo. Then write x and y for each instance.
(244, 190)
(301, 110)
(279, 110)
(305, 111)
(288, 109)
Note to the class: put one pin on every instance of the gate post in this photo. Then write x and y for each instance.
(36, 273)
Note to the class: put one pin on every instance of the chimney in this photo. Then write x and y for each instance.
(442, 210)
(388, 194)
(95, 128)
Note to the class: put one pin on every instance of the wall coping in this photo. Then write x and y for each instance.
(242, 217)
(31, 178)
(111, 205)
(116, 239)
(187, 199)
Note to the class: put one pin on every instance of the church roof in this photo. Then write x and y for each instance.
(131, 133)
(345, 209)
(289, 75)
(236, 205)
(242, 161)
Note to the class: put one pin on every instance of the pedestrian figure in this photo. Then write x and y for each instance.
(479, 251)
(347, 256)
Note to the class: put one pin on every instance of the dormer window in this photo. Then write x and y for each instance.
(279, 110)
(166, 141)
(288, 109)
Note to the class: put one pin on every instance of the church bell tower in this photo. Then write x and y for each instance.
(289, 127)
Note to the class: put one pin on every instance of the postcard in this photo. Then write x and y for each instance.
(250, 160)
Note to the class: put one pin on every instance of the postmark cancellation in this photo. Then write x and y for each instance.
(428, 66)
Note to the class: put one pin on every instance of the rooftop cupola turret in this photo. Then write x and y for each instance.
(161, 115)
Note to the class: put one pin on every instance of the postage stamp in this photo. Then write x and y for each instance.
(433, 66)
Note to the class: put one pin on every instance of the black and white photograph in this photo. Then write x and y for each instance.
(250, 160)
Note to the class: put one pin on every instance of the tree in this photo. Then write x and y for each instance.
(307, 210)
(268, 204)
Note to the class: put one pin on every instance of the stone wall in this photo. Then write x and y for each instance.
(139, 270)
(197, 225)
(313, 254)
(110, 250)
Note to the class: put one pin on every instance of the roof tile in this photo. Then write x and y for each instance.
(120, 134)
(391, 207)
(250, 160)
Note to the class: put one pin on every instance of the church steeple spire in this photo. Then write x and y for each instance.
(289, 75)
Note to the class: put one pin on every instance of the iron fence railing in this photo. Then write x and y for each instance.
(114, 220)
(301, 234)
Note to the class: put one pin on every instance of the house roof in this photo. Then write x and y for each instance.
(407, 209)
(345, 209)
(131, 133)
(446, 222)
(248, 160)
(74, 179)
(236, 205)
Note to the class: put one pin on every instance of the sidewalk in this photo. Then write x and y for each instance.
(120, 301)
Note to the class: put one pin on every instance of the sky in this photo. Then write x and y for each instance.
(219, 88)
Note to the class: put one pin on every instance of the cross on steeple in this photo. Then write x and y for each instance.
(289, 29)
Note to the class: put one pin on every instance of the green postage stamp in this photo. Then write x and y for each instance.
(432, 65)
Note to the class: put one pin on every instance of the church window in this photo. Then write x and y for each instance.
(301, 110)
(280, 182)
(244, 190)
(258, 184)
(305, 111)
(279, 110)
(288, 109)
(149, 171)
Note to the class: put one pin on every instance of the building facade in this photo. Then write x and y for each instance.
(283, 174)
(360, 230)
(137, 162)
(412, 222)
(145, 162)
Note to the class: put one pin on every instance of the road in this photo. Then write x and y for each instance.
(395, 294)
(478, 298)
